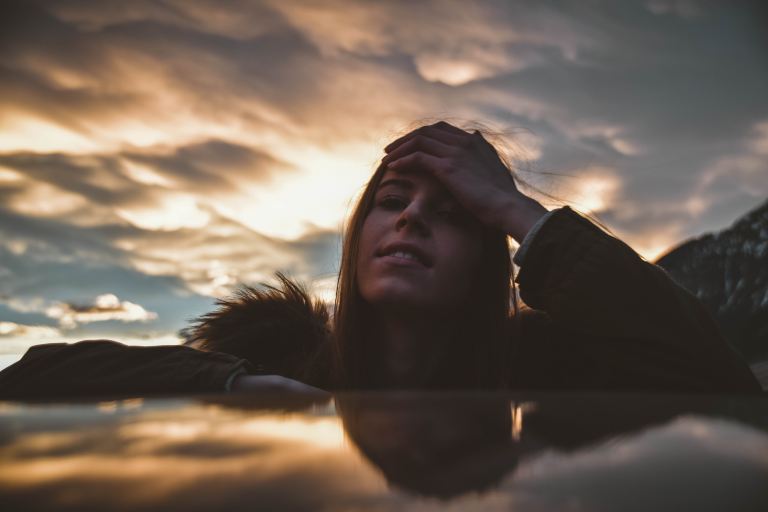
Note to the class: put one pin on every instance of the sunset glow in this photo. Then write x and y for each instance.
(161, 156)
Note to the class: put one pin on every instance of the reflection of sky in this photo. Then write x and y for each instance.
(158, 153)
(183, 455)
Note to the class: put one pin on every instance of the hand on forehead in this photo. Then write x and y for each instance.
(465, 164)
(442, 132)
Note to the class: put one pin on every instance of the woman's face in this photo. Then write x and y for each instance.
(418, 247)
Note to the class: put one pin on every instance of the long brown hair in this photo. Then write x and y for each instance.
(477, 357)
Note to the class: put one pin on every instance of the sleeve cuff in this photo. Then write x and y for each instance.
(232, 376)
(519, 257)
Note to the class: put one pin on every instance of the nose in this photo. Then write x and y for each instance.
(413, 217)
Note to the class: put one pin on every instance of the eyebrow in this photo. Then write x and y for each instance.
(396, 182)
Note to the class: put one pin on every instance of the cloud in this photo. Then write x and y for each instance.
(156, 188)
(39, 332)
(165, 151)
(145, 453)
(682, 8)
(210, 165)
(289, 450)
(103, 308)
(469, 43)
(60, 274)
(241, 19)
(624, 473)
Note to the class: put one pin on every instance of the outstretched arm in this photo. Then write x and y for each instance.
(99, 368)
(104, 367)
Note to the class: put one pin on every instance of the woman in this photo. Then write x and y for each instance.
(424, 286)
(424, 289)
(423, 299)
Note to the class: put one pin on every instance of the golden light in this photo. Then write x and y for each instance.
(175, 211)
(145, 175)
(42, 199)
(318, 432)
(594, 193)
(33, 331)
(26, 133)
(624, 146)
(9, 175)
(316, 196)
(449, 72)
(652, 248)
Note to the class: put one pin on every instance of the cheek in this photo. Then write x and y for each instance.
(369, 238)
(462, 266)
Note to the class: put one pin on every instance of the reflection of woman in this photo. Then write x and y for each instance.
(440, 445)
(447, 444)
(424, 295)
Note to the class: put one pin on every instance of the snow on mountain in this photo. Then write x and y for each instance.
(728, 272)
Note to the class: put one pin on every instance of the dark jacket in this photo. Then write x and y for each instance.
(601, 318)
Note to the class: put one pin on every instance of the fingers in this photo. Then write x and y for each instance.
(429, 147)
(441, 131)
(275, 384)
(422, 161)
(421, 143)
(486, 149)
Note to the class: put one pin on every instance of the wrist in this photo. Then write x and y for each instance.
(229, 385)
(520, 215)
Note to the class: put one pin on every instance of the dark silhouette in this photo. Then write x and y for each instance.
(728, 273)
(424, 302)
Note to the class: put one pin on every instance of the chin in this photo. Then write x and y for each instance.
(397, 294)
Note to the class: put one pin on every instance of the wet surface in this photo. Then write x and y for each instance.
(383, 451)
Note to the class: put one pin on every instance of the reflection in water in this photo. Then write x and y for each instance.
(399, 451)
(518, 411)
(439, 446)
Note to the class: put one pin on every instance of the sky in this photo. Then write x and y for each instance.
(154, 154)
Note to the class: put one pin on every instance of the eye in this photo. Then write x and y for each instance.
(394, 203)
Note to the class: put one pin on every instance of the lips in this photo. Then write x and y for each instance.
(406, 251)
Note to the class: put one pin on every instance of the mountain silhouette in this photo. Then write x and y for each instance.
(728, 272)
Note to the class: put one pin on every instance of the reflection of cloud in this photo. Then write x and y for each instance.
(192, 456)
(104, 307)
(627, 473)
(163, 456)
(323, 433)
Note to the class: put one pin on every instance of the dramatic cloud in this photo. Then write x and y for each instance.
(174, 149)
(104, 307)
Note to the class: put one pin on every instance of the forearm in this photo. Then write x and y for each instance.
(102, 367)
(628, 311)
(520, 215)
